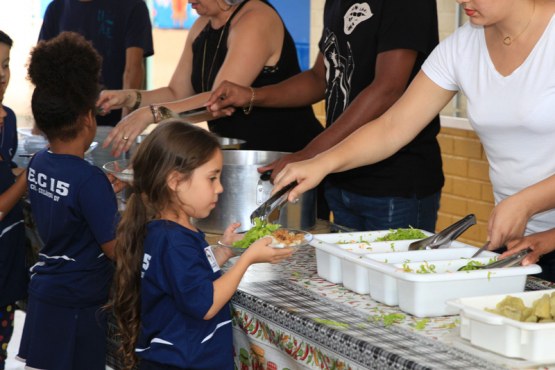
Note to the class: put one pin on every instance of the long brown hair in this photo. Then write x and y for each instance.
(172, 146)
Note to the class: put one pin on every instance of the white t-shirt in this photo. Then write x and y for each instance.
(514, 116)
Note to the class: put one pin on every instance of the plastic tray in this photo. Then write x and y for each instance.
(384, 280)
(335, 253)
(511, 338)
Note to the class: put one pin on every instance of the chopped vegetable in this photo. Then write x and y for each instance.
(259, 230)
(471, 265)
(402, 234)
(421, 324)
(332, 323)
(392, 318)
(426, 268)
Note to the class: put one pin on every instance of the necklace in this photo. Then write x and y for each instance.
(207, 78)
(508, 40)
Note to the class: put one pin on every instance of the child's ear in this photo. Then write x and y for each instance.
(90, 119)
(173, 180)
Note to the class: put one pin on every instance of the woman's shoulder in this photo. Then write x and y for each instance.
(257, 12)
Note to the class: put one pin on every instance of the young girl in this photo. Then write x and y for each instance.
(13, 274)
(75, 211)
(171, 299)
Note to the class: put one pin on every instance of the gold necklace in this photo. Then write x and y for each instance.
(508, 40)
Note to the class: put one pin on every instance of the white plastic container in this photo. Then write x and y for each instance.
(337, 256)
(424, 295)
(511, 338)
(383, 286)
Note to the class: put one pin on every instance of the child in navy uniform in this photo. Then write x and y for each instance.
(171, 301)
(75, 210)
(13, 273)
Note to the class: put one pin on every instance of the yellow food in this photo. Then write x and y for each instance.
(542, 310)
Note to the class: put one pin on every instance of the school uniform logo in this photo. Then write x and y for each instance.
(47, 186)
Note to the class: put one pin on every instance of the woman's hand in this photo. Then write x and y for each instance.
(230, 235)
(508, 221)
(115, 99)
(226, 95)
(540, 244)
(126, 131)
(278, 165)
(260, 251)
(307, 173)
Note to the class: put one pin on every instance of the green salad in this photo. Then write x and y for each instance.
(260, 229)
(402, 234)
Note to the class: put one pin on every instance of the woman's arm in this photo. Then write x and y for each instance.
(10, 197)
(373, 142)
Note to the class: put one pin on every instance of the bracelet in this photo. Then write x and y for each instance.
(138, 99)
(248, 110)
(155, 113)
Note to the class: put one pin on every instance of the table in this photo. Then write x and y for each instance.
(320, 325)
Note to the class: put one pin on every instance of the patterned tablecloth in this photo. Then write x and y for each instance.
(298, 320)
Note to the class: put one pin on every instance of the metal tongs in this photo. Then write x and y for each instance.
(444, 238)
(276, 201)
(510, 261)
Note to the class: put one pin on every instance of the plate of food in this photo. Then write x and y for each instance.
(282, 237)
(120, 169)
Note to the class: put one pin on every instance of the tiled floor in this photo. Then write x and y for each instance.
(12, 363)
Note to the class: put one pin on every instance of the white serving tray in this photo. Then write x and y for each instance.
(334, 256)
(422, 295)
(499, 334)
(382, 268)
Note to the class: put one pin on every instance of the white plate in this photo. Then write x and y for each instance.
(306, 240)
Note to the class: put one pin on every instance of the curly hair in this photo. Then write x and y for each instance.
(65, 71)
(173, 146)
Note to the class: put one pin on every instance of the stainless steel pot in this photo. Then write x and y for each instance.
(225, 142)
(244, 191)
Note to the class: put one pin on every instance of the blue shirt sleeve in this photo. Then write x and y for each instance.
(99, 207)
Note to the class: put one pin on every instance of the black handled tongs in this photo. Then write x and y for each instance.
(444, 238)
(276, 201)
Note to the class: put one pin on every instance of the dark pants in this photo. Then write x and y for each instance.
(364, 213)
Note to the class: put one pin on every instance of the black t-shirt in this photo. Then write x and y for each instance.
(355, 32)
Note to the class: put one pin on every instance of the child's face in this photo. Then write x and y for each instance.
(4, 69)
(198, 196)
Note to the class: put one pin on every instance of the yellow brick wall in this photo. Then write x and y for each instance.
(467, 187)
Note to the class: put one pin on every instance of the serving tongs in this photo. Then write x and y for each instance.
(192, 116)
(510, 261)
(276, 201)
(444, 238)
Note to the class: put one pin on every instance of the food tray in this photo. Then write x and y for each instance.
(383, 266)
(511, 338)
(334, 254)
(424, 295)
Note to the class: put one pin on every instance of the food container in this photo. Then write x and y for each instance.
(424, 295)
(383, 287)
(335, 253)
(511, 338)
(377, 268)
(244, 191)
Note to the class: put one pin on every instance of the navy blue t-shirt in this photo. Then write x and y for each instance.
(176, 293)
(75, 210)
(112, 26)
(13, 271)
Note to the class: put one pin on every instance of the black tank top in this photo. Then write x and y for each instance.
(276, 129)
